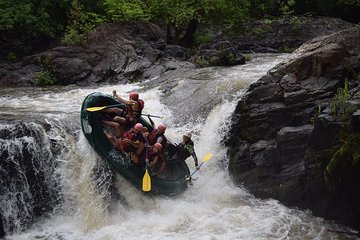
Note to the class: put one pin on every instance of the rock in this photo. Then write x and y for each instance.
(272, 137)
(355, 121)
(221, 53)
(113, 52)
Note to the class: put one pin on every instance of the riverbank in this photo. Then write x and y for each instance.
(137, 51)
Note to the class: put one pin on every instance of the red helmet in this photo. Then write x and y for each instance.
(134, 95)
(162, 127)
(139, 127)
(158, 146)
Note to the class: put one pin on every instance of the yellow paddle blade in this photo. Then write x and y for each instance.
(207, 157)
(146, 184)
(94, 109)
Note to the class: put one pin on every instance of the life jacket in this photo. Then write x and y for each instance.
(133, 137)
(152, 155)
(153, 136)
(136, 113)
(183, 153)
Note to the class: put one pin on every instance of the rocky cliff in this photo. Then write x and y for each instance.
(295, 134)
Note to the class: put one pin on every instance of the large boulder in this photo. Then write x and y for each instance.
(286, 123)
(113, 52)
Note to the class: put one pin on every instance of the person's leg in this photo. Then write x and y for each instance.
(120, 120)
(116, 111)
(111, 139)
(134, 157)
(140, 149)
(118, 129)
(162, 166)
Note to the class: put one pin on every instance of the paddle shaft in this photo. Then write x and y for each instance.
(148, 115)
(146, 184)
(196, 170)
(205, 159)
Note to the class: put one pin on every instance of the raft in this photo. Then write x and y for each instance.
(171, 181)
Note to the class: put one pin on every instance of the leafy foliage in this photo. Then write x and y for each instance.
(344, 167)
(45, 78)
(123, 10)
(339, 102)
(81, 24)
(24, 21)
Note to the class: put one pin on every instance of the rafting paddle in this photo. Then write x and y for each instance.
(95, 109)
(146, 183)
(151, 115)
(205, 159)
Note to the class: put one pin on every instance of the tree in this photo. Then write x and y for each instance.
(26, 21)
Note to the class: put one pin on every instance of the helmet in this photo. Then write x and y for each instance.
(158, 146)
(187, 134)
(139, 127)
(134, 95)
(162, 127)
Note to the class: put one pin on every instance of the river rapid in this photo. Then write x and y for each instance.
(89, 202)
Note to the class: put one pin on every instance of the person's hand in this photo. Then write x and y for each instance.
(197, 167)
(125, 140)
(114, 93)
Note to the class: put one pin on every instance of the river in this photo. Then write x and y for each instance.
(86, 201)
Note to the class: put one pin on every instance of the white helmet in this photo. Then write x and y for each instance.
(187, 134)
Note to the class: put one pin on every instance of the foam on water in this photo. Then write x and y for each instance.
(213, 208)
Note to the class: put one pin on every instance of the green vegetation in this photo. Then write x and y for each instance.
(317, 113)
(344, 167)
(80, 24)
(25, 25)
(11, 56)
(286, 49)
(202, 62)
(339, 102)
(341, 163)
(45, 78)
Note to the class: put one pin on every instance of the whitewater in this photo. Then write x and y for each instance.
(212, 208)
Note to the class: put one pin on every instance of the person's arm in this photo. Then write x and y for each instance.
(120, 99)
(195, 159)
(159, 139)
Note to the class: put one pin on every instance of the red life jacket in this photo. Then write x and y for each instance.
(152, 155)
(129, 135)
(153, 136)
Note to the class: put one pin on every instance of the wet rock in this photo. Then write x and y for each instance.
(287, 33)
(292, 107)
(355, 121)
(113, 52)
(2, 231)
(221, 53)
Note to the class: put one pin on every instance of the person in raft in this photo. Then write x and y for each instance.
(156, 161)
(134, 107)
(157, 135)
(125, 119)
(131, 142)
